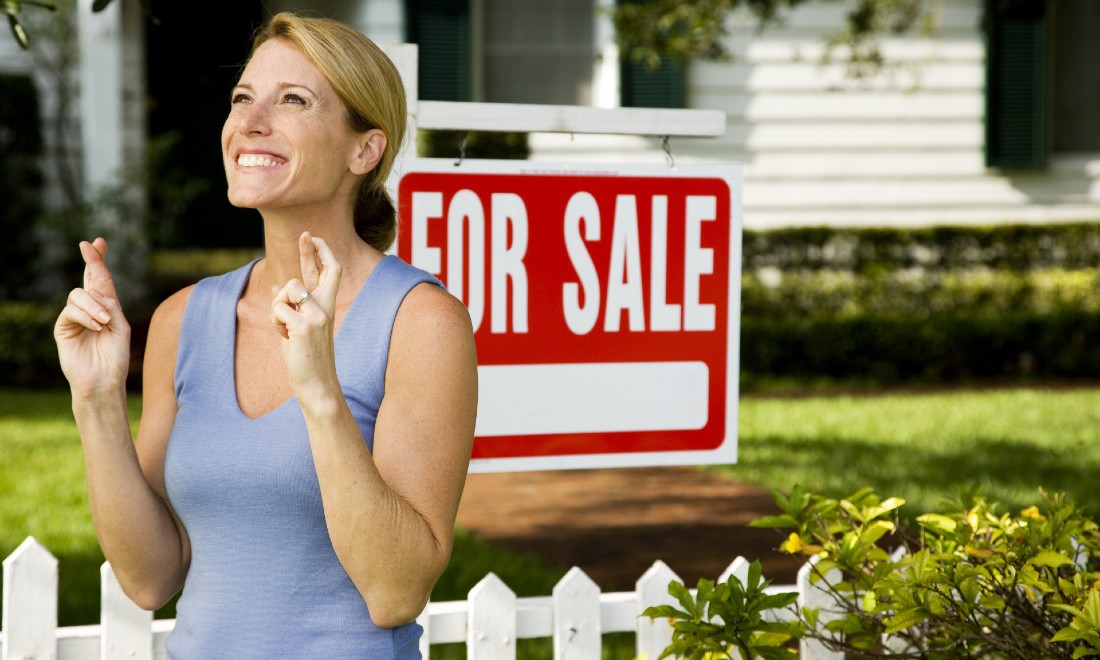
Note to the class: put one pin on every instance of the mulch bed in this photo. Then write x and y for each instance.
(615, 523)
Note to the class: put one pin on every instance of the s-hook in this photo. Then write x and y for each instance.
(462, 149)
(668, 152)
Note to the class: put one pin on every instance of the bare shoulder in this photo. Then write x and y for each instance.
(168, 315)
(163, 340)
(432, 338)
(432, 310)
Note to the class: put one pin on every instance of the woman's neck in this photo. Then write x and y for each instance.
(282, 260)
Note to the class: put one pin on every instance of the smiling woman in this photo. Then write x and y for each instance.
(307, 418)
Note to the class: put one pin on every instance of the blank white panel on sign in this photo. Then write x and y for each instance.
(597, 397)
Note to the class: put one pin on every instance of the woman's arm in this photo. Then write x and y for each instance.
(136, 530)
(390, 514)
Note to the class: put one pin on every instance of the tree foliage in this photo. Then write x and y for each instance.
(655, 30)
(14, 9)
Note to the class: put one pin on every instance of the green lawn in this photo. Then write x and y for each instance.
(924, 447)
(917, 446)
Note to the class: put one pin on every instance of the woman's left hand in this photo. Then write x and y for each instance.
(308, 325)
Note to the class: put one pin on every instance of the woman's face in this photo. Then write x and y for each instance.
(287, 142)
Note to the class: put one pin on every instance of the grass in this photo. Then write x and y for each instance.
(926, 447)
(920, 446)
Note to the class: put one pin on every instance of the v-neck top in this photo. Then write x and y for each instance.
(264, 580)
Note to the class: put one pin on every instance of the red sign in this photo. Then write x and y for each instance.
(605, 303)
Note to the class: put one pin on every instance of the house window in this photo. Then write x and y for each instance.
(1016, 97)
(441, 29)
(504, 51)
(643, 87)
(539, 52)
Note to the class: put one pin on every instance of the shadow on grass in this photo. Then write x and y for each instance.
(1007, 472)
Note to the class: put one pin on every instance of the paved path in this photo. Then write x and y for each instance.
(614, 523)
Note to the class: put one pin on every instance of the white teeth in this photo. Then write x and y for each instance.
(255, 160)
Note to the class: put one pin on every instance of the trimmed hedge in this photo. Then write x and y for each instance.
(830, 294)
(947, 347)
(874, 306)
(28, 354)
(882, 307)
(877, 250)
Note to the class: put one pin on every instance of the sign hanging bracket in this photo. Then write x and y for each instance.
(462, 148)
(668, 152)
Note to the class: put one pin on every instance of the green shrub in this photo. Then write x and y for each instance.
(940, 327)
(473, 144)
(869, 251)
(974, 582)
(28, 354)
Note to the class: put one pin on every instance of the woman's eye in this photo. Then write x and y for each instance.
(294, 98)
(240, 98)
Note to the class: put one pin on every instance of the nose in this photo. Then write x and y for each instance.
(254, 120)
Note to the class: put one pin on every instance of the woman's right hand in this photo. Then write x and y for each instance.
(92, 334)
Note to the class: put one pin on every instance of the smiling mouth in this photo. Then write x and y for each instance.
(256, 160)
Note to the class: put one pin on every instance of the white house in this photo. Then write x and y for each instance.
(965, 126)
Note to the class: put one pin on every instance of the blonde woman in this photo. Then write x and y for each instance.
(308, 418)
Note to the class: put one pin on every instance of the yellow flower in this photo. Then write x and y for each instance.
(792, 545)
(1033, 513)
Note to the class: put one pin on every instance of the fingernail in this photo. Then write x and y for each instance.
(103, 316)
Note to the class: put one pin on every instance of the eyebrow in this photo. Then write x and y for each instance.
(281, 86)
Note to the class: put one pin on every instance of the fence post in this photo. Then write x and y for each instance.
(895, 643)
(126, 630)
(30, 603)
(738, 568)
(425, 621)
(491, 630)
(654, 635)
(577, 631)
(815, 594)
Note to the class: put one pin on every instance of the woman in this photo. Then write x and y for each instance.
(308, 418)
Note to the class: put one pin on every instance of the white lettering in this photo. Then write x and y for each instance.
(581, 212)
(624, 273)
(698, 261)
(425, 206)
(508, 213)
(465, 211)
(662, 315)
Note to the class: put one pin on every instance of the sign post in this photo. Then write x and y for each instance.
(605, 301)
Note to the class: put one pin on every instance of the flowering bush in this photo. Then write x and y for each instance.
(972, 582)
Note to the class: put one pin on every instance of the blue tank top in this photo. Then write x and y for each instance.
(264, 580)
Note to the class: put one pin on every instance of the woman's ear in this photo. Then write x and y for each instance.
(370, 147)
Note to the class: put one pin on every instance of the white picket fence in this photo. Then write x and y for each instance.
(576, 616)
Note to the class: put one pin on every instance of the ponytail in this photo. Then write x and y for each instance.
(375, 215)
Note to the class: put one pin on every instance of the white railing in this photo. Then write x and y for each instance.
(575, 616)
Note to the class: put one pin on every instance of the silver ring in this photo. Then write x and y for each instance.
(301, 300)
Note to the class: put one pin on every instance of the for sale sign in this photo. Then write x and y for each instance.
(605, 301)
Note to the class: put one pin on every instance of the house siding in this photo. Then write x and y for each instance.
(903, 148)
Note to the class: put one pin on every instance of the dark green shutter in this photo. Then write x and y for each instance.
(642, 87)
(441, 29)
(1016, 103)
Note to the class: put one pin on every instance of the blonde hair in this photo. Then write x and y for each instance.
(370, 87)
